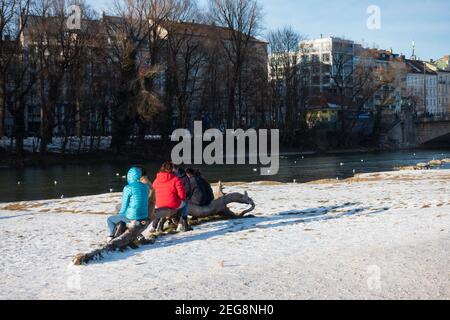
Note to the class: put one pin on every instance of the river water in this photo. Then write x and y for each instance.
(56, 181)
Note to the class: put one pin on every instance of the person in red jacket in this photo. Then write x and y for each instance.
(170, 193)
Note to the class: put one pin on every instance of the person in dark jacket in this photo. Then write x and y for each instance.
(195, 196)
(201, 192)
(205, 186)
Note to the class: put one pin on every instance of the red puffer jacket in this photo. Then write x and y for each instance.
(169, 191)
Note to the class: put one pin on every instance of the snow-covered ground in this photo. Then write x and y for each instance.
(381, 235)
(74, 144)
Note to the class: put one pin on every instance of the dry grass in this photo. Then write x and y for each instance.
(270, 183)
(21, 206)
(325, 181)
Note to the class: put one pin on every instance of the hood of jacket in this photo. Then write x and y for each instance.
(165, 176)
(134, 175)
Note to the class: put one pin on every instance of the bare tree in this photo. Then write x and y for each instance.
(127, 35)
(357, 81)
(57, 48)
(288, 85)
(21, 79)
(12, 23)
(187, 57)
(242, 19)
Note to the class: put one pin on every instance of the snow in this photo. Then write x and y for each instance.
(376, 236)
(74, 144)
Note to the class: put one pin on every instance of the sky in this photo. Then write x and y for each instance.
(426, 22)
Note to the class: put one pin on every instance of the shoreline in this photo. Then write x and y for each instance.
(399, 174)
(439, 164)
(29, 160)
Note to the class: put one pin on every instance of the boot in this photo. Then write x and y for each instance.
(184, 226)
(121, 227)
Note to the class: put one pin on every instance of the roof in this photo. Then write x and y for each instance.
(52, 25)
(205, 30)
(196, 29)
(419, 67)
(328, 101)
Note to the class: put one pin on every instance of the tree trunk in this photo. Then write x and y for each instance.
(2, 107)
(217, 207)
(231, 112)
(19, 126)
(47, 123)
(78, 130)
(119, 243)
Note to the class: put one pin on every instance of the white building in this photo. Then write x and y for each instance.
(443, 90)
(422, 86)
(327, 57)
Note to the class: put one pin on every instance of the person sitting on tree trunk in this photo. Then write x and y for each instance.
(134, 208)
(207, 190)
(171, 194)
(181, 173)
(201, 192)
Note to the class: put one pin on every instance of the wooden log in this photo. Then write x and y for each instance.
(120, 243)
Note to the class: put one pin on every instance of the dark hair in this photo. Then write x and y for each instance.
(193, 172)
(143, 170)
(166, 167)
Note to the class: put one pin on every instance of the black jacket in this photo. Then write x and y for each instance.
(201, 192)
(195, 196)
(208, 194)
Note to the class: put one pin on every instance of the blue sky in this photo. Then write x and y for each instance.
(427, 22)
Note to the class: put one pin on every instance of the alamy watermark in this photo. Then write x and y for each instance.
(234, 142)
(374, 277)
(73, 22)
(73, 278)
(374, 19)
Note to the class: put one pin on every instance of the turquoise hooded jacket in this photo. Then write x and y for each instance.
(135, 197)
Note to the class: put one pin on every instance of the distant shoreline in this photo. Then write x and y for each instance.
(12, 160)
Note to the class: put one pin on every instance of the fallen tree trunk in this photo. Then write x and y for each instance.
(120, 243)
(219, 207)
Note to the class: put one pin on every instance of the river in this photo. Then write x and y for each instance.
(56, 181)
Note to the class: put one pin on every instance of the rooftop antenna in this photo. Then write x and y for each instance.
(413, 56)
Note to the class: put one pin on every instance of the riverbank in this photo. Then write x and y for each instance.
(28, 159)
(8, 159)
(374, 236)
(80, 152)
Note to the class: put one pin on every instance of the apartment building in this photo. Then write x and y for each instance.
(422, 87)
(443, 90)
(202, 43)
(326, 58)
(443, 63)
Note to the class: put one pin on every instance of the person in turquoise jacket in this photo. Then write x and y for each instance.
(134, 202)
